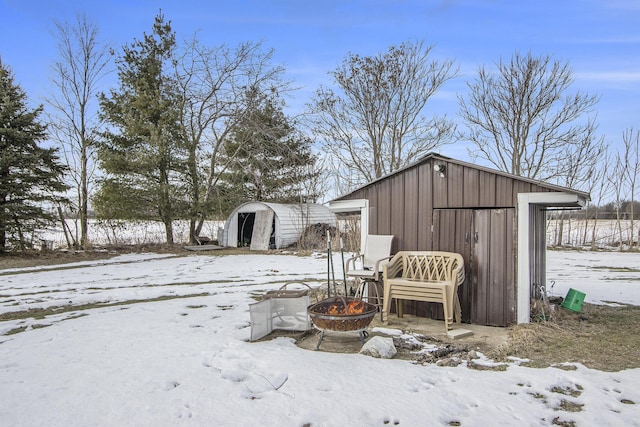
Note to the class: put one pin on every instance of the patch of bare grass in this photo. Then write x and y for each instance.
(24, 328)
(41, 313)
(568, 391)
(616, 269)
(482, 367)
(37, 258)
(599, 337)
(569, 406)
(557, 421)
(34, 258)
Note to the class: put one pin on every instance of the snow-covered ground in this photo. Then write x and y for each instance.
(605, 277)
(183, 356)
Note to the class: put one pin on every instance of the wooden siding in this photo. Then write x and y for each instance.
(372, 196)
(384, 194)
(439, 187)
(425, 206)
(395, 220)
(472, 188)
(409, 210)
(456, 186)
(453, 232)
(410, 196)
(487, 190)
(492, 267)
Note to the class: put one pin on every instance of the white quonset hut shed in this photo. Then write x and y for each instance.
(262, 225)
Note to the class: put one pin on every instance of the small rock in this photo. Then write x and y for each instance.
(449, 361)
(473, 355)
(379, 347)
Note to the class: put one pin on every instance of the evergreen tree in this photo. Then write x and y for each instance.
(142, 153)
(271, 160)
(30, 175)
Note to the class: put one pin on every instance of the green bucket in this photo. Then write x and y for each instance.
(573, 301)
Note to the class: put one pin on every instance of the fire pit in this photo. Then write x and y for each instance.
(341, 314)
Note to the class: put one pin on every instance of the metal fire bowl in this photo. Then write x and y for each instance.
(340, 322)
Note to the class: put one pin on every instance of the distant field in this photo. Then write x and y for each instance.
(580, 232)
(132, 232)
(574, 232)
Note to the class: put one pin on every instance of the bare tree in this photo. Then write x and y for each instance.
(520, 118)
(374, 122)
(213, 83)
(83, 61)
(599, 188)
(581, 161)
(631, 140)
(615, 176)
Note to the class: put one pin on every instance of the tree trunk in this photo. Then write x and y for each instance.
(168, 228)
(586, 227)
(3, 226)
(20, 234)
(593, 233)
(194, 210)
(631, 234)
(84, 196)
(559, 229)
(65, 228)
(619, 226)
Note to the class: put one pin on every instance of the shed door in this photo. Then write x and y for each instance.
(452, 231)
(493, 288)
(485, 238)
(262, 230)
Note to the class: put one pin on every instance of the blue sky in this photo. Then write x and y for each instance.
(599, 38)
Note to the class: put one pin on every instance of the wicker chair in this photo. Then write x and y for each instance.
(424, 276)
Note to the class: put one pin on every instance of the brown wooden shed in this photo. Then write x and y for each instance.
(494, 219)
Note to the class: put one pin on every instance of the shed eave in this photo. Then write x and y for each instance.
(525, 201)
(554, 199)
(436, 156)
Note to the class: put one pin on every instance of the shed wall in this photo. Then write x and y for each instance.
(404, 204)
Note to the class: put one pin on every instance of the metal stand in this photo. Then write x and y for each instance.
(373, 284)
(361, 333)
(320, 340)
